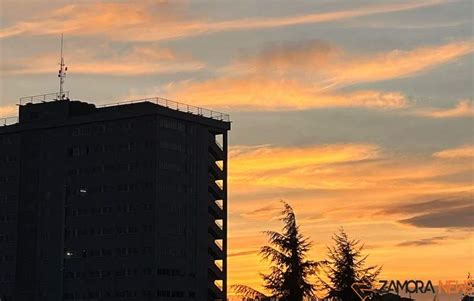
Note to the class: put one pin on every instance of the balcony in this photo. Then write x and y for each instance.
(215, 292)
(215, 149)
(215, 271)
(215, 210)
(215, 190)
(215, 170)
(215, 250)
(216, 230)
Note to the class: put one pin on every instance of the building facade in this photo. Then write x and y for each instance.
(123, 202)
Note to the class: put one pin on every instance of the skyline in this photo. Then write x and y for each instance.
(358, 114)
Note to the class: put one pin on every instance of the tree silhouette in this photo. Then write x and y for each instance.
(288, 279)
(346, 266)
(468, 294)
(250, 293)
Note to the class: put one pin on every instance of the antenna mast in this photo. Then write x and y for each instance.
(62, 73)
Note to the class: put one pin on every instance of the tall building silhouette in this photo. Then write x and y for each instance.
(121, 202)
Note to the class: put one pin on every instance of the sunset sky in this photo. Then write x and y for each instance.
(358, 113)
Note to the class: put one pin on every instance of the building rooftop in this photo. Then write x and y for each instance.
(162, 102)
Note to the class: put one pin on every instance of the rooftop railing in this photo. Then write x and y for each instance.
(178, 106)
(44, 97)
(171, 104)
(4, 121)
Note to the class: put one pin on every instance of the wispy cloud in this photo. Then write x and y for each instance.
(436, 205)
(138, 60)
(332, 66)
(458, 217)
(79, 19)
(305, 76)
(423, 241)
(417, 24)
(464, 108)
(161, 20)
(351, 180)
(338, 167)
(271, 158)
(446, 212)
(398, 63)
(466, 151)
(243, 253)
(259, 93)
(267, 212)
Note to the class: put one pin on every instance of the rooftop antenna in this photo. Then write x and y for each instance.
(62, 73)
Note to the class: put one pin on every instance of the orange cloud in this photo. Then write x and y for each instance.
(466, 151)
(79, 19)
(396, 64)
(464, 108)
(319, 18)
(268, 212)
(337, 167)
(162, 20)
(333, 67)
(258, 93)
(280, 158)
(139, 60)
(303, 76)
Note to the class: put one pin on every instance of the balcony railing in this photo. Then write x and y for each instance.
(178, 106)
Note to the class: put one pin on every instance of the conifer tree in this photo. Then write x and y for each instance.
(290, 272)
(346, 266)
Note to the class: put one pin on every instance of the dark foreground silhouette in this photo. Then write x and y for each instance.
(289, 279)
